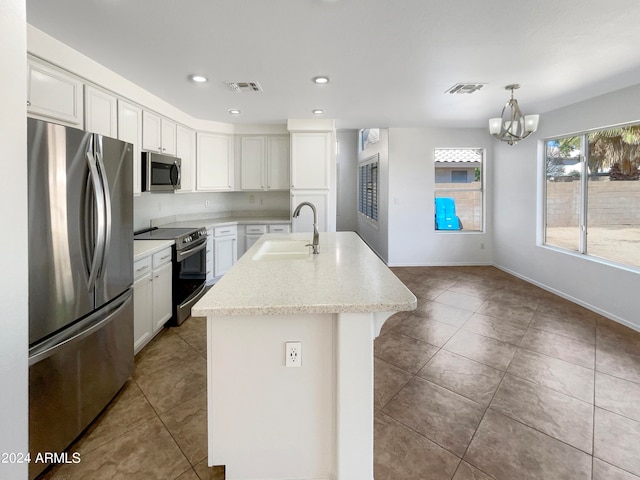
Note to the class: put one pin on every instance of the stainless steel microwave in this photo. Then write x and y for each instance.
(160, 173)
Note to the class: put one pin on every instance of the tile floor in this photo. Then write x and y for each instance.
(490, 377)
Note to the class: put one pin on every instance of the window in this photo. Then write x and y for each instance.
(458, 189)
(368, 188)
(592, 193)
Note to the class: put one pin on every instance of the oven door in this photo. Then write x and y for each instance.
(190, 273)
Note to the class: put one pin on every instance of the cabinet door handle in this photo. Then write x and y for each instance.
(165, 257)
(28, 103)
(142, 268)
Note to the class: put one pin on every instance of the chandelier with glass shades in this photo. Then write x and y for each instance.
(512, 126)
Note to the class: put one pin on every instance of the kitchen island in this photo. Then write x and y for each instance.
(315, 421)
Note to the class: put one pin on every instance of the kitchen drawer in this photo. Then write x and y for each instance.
(142, 267)
(223, 231)
(162, 257)
(255, 229)
(284, 228)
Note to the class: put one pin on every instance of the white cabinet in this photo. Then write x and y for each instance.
(130, 130)
(53, 94)
(152, 300)
(252, 234)
(280, 228)
(264, 163)
(142, 304)
(158, 134)
(214, 162)
(186, 151)
(100, 112)
(162, 291)
(225, 249)
(311, 153)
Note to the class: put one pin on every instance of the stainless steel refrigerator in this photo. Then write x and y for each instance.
(80, 278)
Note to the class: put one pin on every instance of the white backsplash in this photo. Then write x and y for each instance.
(156, 205)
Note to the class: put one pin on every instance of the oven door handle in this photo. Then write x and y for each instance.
(182, 254)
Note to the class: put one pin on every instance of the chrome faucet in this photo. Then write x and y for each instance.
(296, 212)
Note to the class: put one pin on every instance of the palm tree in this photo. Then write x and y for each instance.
(619, 147)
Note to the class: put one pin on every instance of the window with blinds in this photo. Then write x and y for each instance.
(368, 189)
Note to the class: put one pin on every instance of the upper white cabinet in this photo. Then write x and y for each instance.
(158, 134)
(130, 130)
(186, 151)
(264, 162)
(53, 94)
(311, 154)
(214, 162)
(100, 112)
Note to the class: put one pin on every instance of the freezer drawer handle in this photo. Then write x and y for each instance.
(76, 333)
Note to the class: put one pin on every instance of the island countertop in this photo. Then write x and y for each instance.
(346, 276)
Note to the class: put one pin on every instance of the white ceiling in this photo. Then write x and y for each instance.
(390, 62)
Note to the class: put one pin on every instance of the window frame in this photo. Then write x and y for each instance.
(370, 204)
(481, 189)
(583, 227)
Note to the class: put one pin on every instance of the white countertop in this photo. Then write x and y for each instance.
(346, 276)
(144, 248)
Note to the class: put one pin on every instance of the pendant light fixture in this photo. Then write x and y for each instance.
(514, 126)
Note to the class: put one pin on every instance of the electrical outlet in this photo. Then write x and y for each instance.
(293, 354)
(206, 203)
(252, 199)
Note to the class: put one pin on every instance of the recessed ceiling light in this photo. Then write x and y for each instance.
(321, 80)
(234, 111)
(199, 78)
(318, 111)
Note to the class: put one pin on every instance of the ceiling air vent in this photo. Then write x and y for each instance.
(240, 87)
(465, 87)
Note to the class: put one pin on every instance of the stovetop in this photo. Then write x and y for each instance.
(184, 237)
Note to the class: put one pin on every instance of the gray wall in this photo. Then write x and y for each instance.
(13, 198)
(610, 290)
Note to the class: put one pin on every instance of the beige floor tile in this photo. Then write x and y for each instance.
(165, 349)
(475, 288)
(460, 300)
(194, 331)
(456, 317)
(430, 331)
(509, 450)
(404, 352)
(187, 424)
(616, 362)
(513, 313)
(560, 346)
(401, 453)
(560, 416)
(499, 329)
(205, 472)
(470, 379)
(176, 383)
(440, 415)
(469, 472)
(147, 451)
(189, 475)
(617, 440)
(564, 377)
(393, 321)
(426, 293)
(516, 298)
(611, 333)
(481, 349)
(604, 471)
(126, 411)
(618, 396)
(582, 330)
(388, 380)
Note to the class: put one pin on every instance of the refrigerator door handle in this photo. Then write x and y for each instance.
(107, 202)
(98, 252)
(78, 332)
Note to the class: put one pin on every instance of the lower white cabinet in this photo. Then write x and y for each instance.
(152, 296)
(252, 234)
(225, 249)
